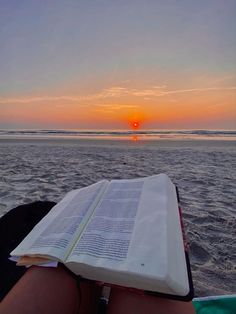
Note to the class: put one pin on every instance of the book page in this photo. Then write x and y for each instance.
(108, 232)
(134, 238)
(56, 232)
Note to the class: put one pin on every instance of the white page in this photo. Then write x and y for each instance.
(55, 233)
(139, 257)
(109, 232)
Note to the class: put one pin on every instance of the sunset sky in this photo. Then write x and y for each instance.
(104, 64)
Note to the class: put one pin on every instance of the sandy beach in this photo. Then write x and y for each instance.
(204, 170)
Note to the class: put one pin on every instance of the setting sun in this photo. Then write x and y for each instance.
(136, 125)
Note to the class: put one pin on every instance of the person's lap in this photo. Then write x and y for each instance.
(55, 290)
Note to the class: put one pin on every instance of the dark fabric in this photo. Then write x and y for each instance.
(14, 226)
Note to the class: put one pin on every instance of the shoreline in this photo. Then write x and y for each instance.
(119, 140)
(120, 135)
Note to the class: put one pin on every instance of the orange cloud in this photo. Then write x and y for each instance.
(114, 92)
(122, 106)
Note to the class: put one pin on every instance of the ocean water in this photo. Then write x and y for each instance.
(121, 134)
(46, 166)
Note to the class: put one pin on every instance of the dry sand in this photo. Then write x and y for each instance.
(204, 170)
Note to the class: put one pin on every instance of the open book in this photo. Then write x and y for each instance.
(122, 232)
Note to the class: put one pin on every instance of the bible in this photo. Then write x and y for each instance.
(120, 232)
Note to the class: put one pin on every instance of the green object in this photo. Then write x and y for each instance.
(225, 304)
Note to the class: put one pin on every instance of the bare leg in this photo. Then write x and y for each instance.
(123, 301)
(42, 290)
(54, 290)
